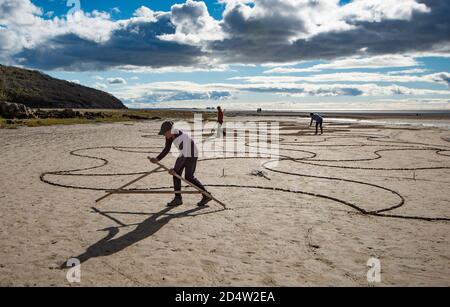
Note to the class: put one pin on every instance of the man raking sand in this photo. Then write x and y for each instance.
(187, 161)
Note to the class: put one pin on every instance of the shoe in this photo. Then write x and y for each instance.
(205, 200)
(176, 202)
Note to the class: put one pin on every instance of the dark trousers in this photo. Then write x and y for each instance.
(321, 127)
(189, 167)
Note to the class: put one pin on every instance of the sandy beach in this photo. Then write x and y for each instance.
(332, 202)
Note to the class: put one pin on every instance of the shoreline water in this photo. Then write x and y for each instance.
(403, 122)
(423, 118)
(418, 118)
(338, 113)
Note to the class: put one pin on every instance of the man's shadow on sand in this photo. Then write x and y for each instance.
(109, 246)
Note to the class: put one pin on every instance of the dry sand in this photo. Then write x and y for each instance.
(339, 206)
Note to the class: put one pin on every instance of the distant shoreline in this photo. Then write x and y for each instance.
(425, 118)
(358, 114)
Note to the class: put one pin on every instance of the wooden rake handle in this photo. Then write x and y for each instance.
(192, 185)
(109, 193)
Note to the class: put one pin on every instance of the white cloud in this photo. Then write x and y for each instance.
(25, 26)
(193, 24)
(338, 89)
(182, 90)
(203, 67)
(115, 10)
(379, 10)
(250, 32)
(100, 86)
(382, 61)
(409, 71)
(173, 91)
(145, 13)
(441, 78)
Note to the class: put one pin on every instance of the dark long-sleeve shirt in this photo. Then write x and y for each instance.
(185, 145)
(316, 117)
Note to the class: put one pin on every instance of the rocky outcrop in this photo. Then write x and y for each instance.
(10, 110)
(67, 113)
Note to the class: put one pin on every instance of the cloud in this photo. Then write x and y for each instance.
(115, 10)
(185, 91)
(91, 41)
(173, 91)
(182, 96)
(250, 32)
(441, 78)
(379, 10)
(116, 81)
(375, 62)
(333, 90)
(311, 30)
(100, 86)
(193, 24)
(408, 71)
(203, 67)
(145, 14)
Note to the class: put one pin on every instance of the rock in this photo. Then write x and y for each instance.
(94, 115)
(61, 114)
(67, 113)
(41, 114)
(135, 117)
(10, 110)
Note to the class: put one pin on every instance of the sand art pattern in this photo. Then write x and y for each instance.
(396, 146)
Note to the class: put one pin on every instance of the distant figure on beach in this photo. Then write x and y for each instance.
(259, 110)
(315, 117)
(220, 120)
(187, 161)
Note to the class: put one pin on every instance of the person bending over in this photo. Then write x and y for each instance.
(187, 161)
(319, 122)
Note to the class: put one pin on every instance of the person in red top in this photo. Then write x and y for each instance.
(220, 116)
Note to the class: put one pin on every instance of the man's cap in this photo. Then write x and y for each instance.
(166, 126)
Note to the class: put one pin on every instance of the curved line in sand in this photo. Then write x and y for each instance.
(378, 213)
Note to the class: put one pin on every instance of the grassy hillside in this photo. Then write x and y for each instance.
(111, 116)
(37, 90)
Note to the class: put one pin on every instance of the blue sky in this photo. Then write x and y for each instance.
(278, 54)
(127, 7)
